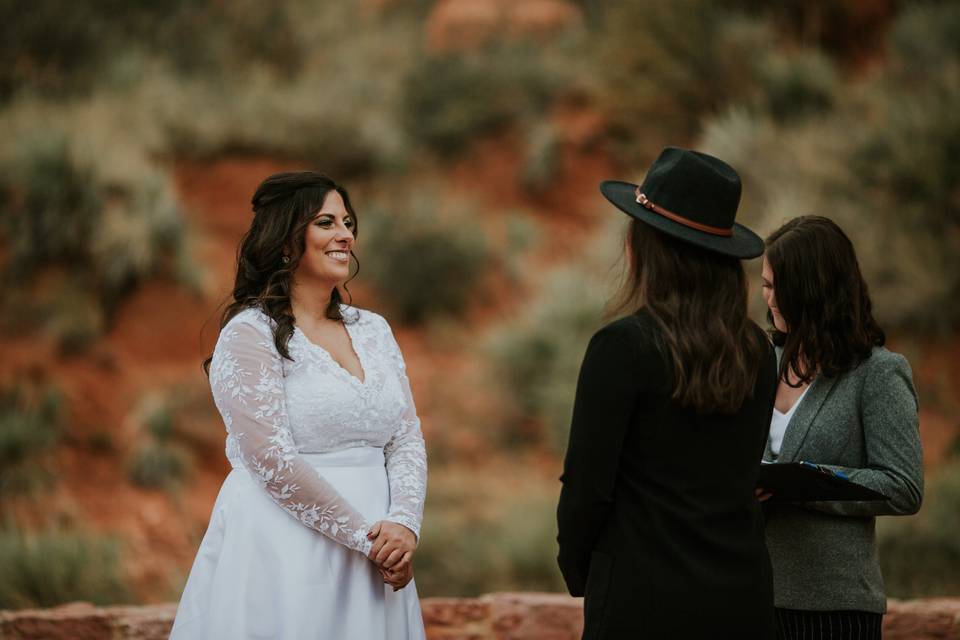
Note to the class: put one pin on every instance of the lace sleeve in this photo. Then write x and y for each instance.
(246, 378)
(405, 453)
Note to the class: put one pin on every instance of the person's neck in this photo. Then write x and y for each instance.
(309, 301)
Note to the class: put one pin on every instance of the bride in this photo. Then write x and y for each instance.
(314, 530)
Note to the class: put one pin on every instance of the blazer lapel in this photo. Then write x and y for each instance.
(768, 452)
(803, 418)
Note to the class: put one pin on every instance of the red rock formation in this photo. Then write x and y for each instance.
(462, 25)
(498, 616)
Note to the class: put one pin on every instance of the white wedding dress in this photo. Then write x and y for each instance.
(318, 456)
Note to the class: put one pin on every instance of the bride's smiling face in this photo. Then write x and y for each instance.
(327, 244)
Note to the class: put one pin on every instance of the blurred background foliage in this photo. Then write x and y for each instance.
(472, 136)
(416, 239)
(30, 420)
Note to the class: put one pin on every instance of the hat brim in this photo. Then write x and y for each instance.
(744, 243)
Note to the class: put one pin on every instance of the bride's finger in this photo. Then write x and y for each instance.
(374, 530)
(384, 551)
(403, 562)
(377, 549)
(395, 556)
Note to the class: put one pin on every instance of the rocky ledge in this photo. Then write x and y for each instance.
(498, 616)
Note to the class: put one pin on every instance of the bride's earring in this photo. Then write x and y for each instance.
(285, 259)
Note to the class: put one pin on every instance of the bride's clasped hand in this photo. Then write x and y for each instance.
(392, 552)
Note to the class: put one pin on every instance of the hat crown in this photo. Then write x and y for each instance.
(690, 196)
(695, 186)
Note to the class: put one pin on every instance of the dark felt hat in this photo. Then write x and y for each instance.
(691, 196)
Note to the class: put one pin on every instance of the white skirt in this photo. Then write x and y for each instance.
(259, 573)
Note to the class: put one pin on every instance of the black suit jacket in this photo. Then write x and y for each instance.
(658, 523)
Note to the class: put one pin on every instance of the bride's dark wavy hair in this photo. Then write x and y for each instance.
(284, 205)
(698, 299)
(823, 298)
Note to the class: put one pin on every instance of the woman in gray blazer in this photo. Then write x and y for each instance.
(843, 402)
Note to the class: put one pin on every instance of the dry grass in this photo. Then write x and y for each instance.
(52, 567)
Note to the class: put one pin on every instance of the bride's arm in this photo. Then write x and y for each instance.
(405, 453)
(406, 464)
(246, 377)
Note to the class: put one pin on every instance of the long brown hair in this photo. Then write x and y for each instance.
(283, 206)
(698, 299)
(823, 298)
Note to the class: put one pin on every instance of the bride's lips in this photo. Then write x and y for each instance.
(339, 256)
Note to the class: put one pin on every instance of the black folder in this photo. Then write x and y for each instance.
(806, 482)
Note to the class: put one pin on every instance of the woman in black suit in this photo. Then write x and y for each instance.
(659, 527)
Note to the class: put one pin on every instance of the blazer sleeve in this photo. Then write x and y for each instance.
(894, 458)
(606, 395)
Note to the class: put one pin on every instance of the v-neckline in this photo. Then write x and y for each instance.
(790, 411)
(359, 381)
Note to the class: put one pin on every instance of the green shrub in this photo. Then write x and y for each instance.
(139, 237)
(92, 231)
(924, 40)
(797, 84)
(908, 150)
(424, 265)
(195, 424)
(659, 68)
(57, 47)
(207, 79)
(36, 55)
(55, 567)
(76, 327)
(541, 163)
(158, 465)
(176, 425)
(322, 110)
(452, 98)
(521, 234)
(161, 461)
(29, 429)
(160, 422)
(905, 161)
(262, 114)
(529, 544)
(537, 360)
(52, 205)
(479, 540)
(920, 555)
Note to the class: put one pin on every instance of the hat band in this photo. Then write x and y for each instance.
(646, 203)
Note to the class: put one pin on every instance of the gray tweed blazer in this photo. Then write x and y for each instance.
(865, 424)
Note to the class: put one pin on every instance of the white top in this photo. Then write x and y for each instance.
(779, 422)
(276, 409)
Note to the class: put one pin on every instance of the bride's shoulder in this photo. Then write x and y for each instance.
(364, 318)
(250, 315)
(244, 320)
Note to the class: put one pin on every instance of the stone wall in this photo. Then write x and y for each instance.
(499, 616)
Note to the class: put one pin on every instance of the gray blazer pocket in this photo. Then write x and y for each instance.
(595, 594)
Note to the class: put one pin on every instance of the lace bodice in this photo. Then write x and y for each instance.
(276, 409)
